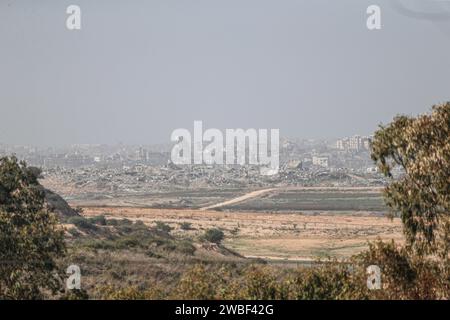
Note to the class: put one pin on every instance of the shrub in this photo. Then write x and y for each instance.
(197, 284)
(260, 283)
(81, 223)
(129, 293)
(185, 225)
(112, 222)
(163, 226)
(329, 280)
(140, 224)
(128, 242)
(406, 275)
(99, 220)
(125, 222)
(74, 232)
(214, 235)
(186, 247)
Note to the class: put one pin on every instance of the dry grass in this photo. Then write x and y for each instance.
(293, 236)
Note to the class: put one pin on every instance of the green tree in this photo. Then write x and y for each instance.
(214, 235)
(420, 146)
(30, 238)
(404, 274)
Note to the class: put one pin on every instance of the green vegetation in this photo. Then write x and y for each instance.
(135, 237)
(112, 222)
(213, 235)
(99, 220)
(82, 223)
(421, 196)
(186, 226)
(316, 200)
(404, 277)
(30, 237)
(420, 270)
(122, 259)
(162, 226)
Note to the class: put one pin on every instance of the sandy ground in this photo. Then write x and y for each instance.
(277, 236)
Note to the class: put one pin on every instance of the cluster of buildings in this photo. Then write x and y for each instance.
(77, 156)
(134, 169)
(93, 182)
(355, 143)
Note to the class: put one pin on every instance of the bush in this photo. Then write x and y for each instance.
(125, 222)
(260, 283)
(74, 232)
(130, 293)
(112, 222)
(186, 247)
(406, 275)
(128, 242)
(140, 224)
(99, 220)
(81, 223)
(330, 280)
(163, 226)
(213, 235)
(197, 284)
(185, 226)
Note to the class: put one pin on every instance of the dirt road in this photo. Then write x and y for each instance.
(246, 196)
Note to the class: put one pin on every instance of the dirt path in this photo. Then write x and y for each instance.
(356, 177)
(246, 196)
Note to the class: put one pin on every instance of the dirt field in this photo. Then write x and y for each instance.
(277, 236)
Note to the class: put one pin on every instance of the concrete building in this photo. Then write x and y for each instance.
(355, 143)
(320, 161)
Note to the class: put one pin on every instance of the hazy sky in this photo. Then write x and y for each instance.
(137, 70)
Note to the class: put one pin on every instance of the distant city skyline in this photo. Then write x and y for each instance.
(168, 145)
(138, 70)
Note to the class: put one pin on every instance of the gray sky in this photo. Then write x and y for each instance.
(140, 69)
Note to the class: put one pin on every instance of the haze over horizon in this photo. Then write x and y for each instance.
(138, 70)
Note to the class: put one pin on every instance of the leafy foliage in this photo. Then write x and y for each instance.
(421, 196)
(214, 235)
(30, 237)
(82, 223)
(405, 275)
(420, 147)
(99, 220)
